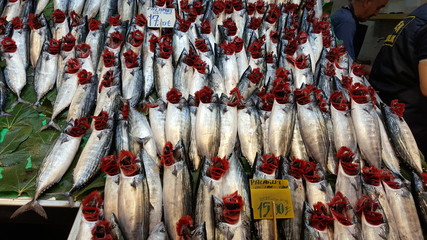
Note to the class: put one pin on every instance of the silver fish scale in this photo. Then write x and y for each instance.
(111, 191)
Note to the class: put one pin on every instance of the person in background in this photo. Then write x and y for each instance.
(400, 72)
(347, 27)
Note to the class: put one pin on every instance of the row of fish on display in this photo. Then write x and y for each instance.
(233, 79)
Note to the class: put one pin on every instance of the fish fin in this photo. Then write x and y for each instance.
(50, 124)
(4, 114)
(32, 205)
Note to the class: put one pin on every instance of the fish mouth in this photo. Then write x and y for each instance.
(140, 20)
(116, 39)
(233, 205)
(204, 95)
(219, 167)
(54, 46)
(73, 66)
(270, 163)
(131, 59)
(128, 164)
(136, 38)
(109, 165)
(80, 127)
(320, 217)
(167, 158)
(114, 21)
(83, 50)
(94, 25)
(58, 16)
(173, 96)
(9, 45)
(33, 21)
(84, 77)
(68, 42)
(368, 207)
(108, 58)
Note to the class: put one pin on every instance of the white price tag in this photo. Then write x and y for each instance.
(160, 17)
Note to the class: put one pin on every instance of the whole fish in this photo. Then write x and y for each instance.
(155, 190)
(301, 70)
(79, 27)
(141, 135)
(177, 125)
(228, 126)
(66, 91)
(389, 155)
(366, 124)
(148, 49)
(182, 73)
(96, 147)
(91, 211)
(95, 39)
(157, 119)
(91, 8)
(373, 220)
(180, 40)
(132, 78)
(68, 51)
(177, 200)
(216, 81)
(56, 163)
(40, 31)
(266, 167)
(282, 120)
(317, 188)
(163, 67)
(346, 224)
(401, 135)
(210, 181)
(293, 172)
(348, 178)
(110, 166)
(313, 127)
(46, 69)
(60, 26)
(21, 34)
(82, 102)
(249, 132)
(108, 96)
(403, 207)
(207, 124)
(206, 53)
(227, 65)
(193, 155)
(133, 197)
(14, 72)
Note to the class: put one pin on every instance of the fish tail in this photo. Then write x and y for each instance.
(32, 205)
(50, 124)
(4, 114)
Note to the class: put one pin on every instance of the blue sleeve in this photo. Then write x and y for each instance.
(344, 27)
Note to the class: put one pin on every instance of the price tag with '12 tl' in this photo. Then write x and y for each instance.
(160, 17)
(266, 191)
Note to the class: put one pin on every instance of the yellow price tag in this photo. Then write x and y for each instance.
(264, 192)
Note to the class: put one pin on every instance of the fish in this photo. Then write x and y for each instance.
(180, 39)
(97, 147)
(177, 200)
(39, 32)
(206, 53)
(317, 187)
(83, 100)
(157, 119)
(68, 51)
(79, 27)
(373, 220)
(389, 156)
(115, 228)
(133, 197)
(193, 155)
(126, 9)
(163, 67)
(209, 184)
(14, 72)
(158, 233)
(228, 126)
(266, 167)
(108, 96)
(401, 136)
(4, 91)
(106, 10)
(101, 230)
(420, 196)
(282, 120)
(132, 77)
(66, 91)
(46, 70)
(75, 6)
(155, 189)
(293, 171)
(302, 71)
(346, 224)
(403, 206)
(177, 125)
(182, 73)
(313, 127)
(56, 162)
(141, 135)
(60, 26)
(216, 81)
(249, 132)
(227, 64)
(92, 213)
(95, 39)
(207, 123)
(91, 8)
(148, 49)
(318, 222)
(365, 121)
(121, 136)
(343, 131)
(11, 10)
(21, 34)
(348, 180)
(110, 166)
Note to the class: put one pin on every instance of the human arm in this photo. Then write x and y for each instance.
(422, 71)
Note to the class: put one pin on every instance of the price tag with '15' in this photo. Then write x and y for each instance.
(160, 17)
(266, 191)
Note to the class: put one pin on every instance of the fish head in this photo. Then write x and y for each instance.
(218, 168)
(109, 165)
(128, 163)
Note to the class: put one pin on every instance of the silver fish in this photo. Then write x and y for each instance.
(95, 39)
(420, 196)
(148, 60)
(182, 73)
(180, 40)
(155, 190)
(60, 26)
(163, 71)
(157, 119)
(82, 102)
(68, 51)
(298, 149)
(389, 155)
(313, 233)
(227, 65)
(38, 35)
(106, 10)
(111, 190)
(216, 81)
(133, 205)
(45, 73)
(91, 8)
(177, 200)
(348, 178)
(228, 127)
(3, 95)
(115, 228)
(126, 9)
(317, 187)
(177, 125)
(79, 27)
(402, 138)
(121, 136)
(208, 128)
(193, 155)
(21, 34)
(158, 233)
(346, 224)
(55, 164)
(132, 78)
(75, 6)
